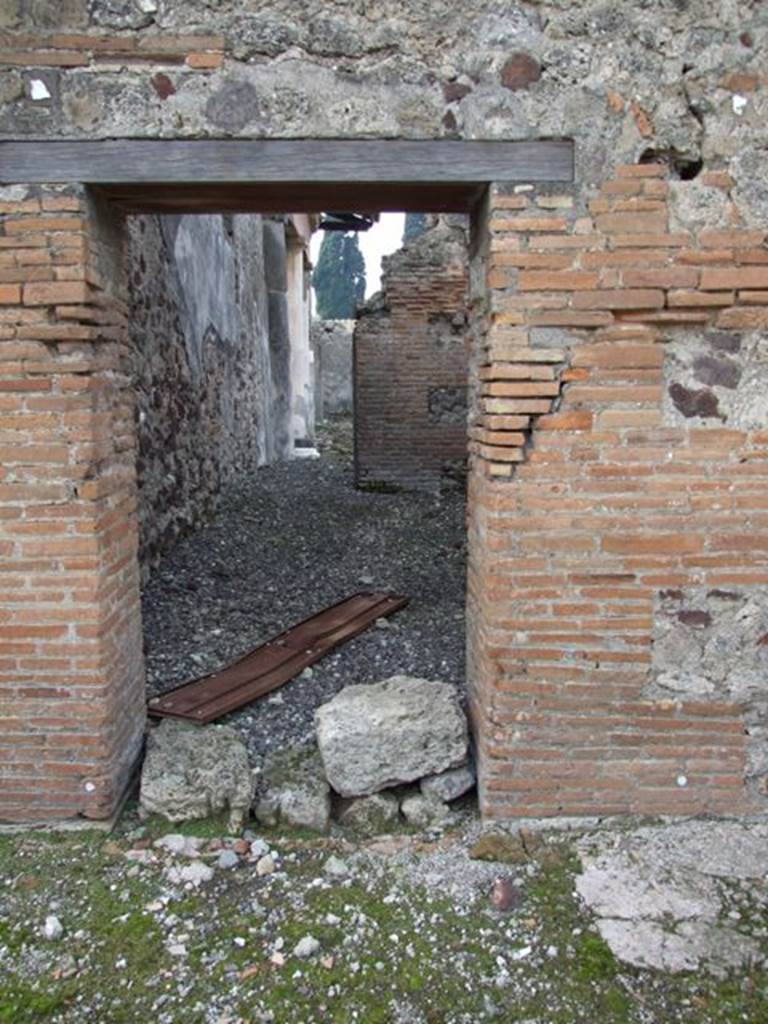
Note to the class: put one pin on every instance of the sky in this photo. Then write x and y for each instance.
(384, 237)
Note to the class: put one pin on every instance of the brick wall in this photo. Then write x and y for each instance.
(410, 366)
(619, 529)
(71, 683)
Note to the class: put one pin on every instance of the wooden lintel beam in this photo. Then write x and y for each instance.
(301, 162)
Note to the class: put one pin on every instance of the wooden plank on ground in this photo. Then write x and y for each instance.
(275, 662)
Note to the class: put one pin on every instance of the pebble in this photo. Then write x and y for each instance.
(265, 865)
(336, 867)
(53, 929)
(259, 848)
(306, 947)
(227, 859)
(195, 872)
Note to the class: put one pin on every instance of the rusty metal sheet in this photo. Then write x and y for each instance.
(275, 662)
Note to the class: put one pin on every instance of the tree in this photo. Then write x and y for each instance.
(415, 224)
(339, 277)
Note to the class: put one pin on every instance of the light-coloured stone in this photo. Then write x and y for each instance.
(373, 737)
(294, 791)
(449, 785)
(194, 873)
(335, 867)
(194, 772)
(658, 892)
(306, 947)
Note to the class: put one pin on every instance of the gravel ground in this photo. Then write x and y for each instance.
(198, 927)
(287, 543)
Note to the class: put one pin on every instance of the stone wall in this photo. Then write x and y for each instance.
(332, 345)
(202, 365)
(410, 366)
(617, 491)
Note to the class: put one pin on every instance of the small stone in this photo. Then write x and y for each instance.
(277, 959)
(259, 848)
(371, 815)
(195, 872)
(227, 859)
(241, 846)
(53, 929)
(520, 71)
(180, 846)
(423, 811)
(382, 623)
(336, 867)
(306, 947)
(448, 785)
(521, 954)
(265, 865)
(505, 895)
(177, 949)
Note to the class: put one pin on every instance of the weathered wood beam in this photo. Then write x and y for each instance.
(295, 161)
(273, 197)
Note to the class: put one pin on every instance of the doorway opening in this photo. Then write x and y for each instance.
(253, 513)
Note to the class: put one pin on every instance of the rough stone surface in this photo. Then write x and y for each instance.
(371, 815)
(196, 771)
(293, 790)
(661, 893)
(373, 737)
(449, 785)
(717, 378)
(205, 347)
(711, 644)
(422, 811)
(332, 345)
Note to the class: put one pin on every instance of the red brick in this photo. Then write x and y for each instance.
(743, 277)
(641, 171)
(53, 293)
(620, 298)
(534, 280)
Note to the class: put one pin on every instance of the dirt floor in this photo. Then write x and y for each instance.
(292, 540)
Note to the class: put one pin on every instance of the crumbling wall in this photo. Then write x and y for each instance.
(332, 345)
(410, 366)
(209, 351)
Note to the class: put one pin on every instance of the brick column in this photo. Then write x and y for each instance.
(71, 671)
(606, 509)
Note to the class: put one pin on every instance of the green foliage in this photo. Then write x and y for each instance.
(339, 277)
(415, 225)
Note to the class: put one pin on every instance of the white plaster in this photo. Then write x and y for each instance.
(38, 90)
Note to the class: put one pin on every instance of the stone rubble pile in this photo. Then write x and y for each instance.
(386, 753)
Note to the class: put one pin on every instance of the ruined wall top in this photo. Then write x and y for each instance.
(683, 78)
